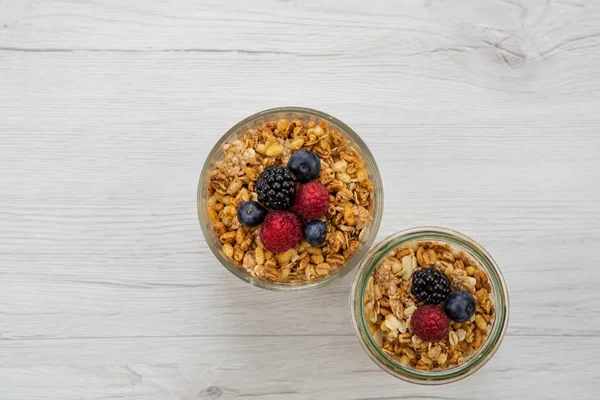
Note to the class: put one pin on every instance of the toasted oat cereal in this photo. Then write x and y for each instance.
(389, 305)
(343, 173)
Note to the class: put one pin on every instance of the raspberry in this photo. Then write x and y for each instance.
(312, 201)
(429, 323)
(276, 187)
(280, 231)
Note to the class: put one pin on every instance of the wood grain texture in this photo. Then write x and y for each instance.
(262, 367)
(483, 117)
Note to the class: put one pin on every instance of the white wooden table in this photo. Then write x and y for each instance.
(484, 117)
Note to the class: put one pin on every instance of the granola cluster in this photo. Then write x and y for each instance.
(388, 306)
(343, 173)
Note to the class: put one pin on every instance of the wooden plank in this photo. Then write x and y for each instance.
(232, 367)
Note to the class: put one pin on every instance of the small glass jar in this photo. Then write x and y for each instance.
(499, 298)
(306, 115)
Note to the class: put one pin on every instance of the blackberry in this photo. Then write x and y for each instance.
(276, 188)
(430, 285)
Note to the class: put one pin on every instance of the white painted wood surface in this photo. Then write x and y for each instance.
(484, 117)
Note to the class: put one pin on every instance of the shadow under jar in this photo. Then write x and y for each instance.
(400, 357)
(354, 185)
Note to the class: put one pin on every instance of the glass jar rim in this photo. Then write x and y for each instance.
(373, 229)
(476, 360)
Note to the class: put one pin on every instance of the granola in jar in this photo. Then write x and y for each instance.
(446, 288)
(343, 173)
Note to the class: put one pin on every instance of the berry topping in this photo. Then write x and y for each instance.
(276, 188)
(312, 201)
(460, 306)
(305, 165)
(280, 231)
(429, 323)
(430, 285)
(315, 232)
(250, 213)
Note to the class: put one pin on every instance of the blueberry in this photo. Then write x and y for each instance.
(305, 165)
(315, 232)
(460, 306)
(250, 213)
